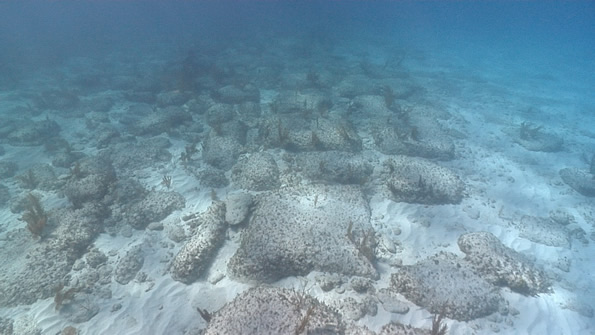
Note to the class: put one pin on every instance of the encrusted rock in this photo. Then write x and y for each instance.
(501, 265)
(221, 151)
(160, 121)
(194, 257)
(392, 140)
(232, 94)
(268, 310)
(129, 265)
(256, 172)
(155, 206)
(136, 155)
(391, 302)
(400, 329)
(297, 230)
(218, 114)
(416, 180)
(534, 138)
(238, 206)
(334, 166)
(34, 274)
(581, 181)
(544, 231)
(446, 284)
(211, 176)
(8, 169)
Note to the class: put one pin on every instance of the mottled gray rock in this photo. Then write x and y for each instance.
(297, 230)
(40, 176)
(95, 258)
(238, 207)
(394, 141)
(580, 180)
(30, 133)
(561, 217)
(391, 303)
(221, 152)
(256, 172)
(334, 166)
(361, 285)
(581, 307)
(416, 180)
(90, 180)
(90, 188)
(298, 102)
(34, 274)
(128, 190)
(268, 310)
(106, 135)
(139, 154)
(400, 329)
(329, 281)
(154, 207)
(534, 138)
(76, 314)
(295, 132)
(335, 134)
(57, 99)
(66, 159)
(351, 309)
(8, 169)
(357, 86)
(232, 94)
(172, 98)
(176, 233)
(6, 326)
(218, 114)
(193, 259)
(445, 283)
(544, 231)
(211, 177)
(4, 195)
(501, 265)
(160, 121)
(129, 265)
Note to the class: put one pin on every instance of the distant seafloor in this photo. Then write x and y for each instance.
(282, 167)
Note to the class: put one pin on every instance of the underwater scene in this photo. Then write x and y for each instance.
(297, 167)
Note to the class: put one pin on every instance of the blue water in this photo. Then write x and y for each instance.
(492, 66)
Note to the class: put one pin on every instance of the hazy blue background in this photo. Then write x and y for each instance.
(47, 32)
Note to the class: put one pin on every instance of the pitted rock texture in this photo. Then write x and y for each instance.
(334, 166)
(297, 230)
(129, 265)
(501, 265)
(268, 310)
(34, 273)
(221, 151)
(393, 140)
(544, 231)
(256, 172)
(154, 207)
(194, 257)
(416, 180)
(445, 283)
(534, 138)
(238, 207)
(582, 181)
(400, 329)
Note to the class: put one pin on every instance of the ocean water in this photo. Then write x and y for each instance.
(162, 157)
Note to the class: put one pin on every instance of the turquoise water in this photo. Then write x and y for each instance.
(395, 128)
